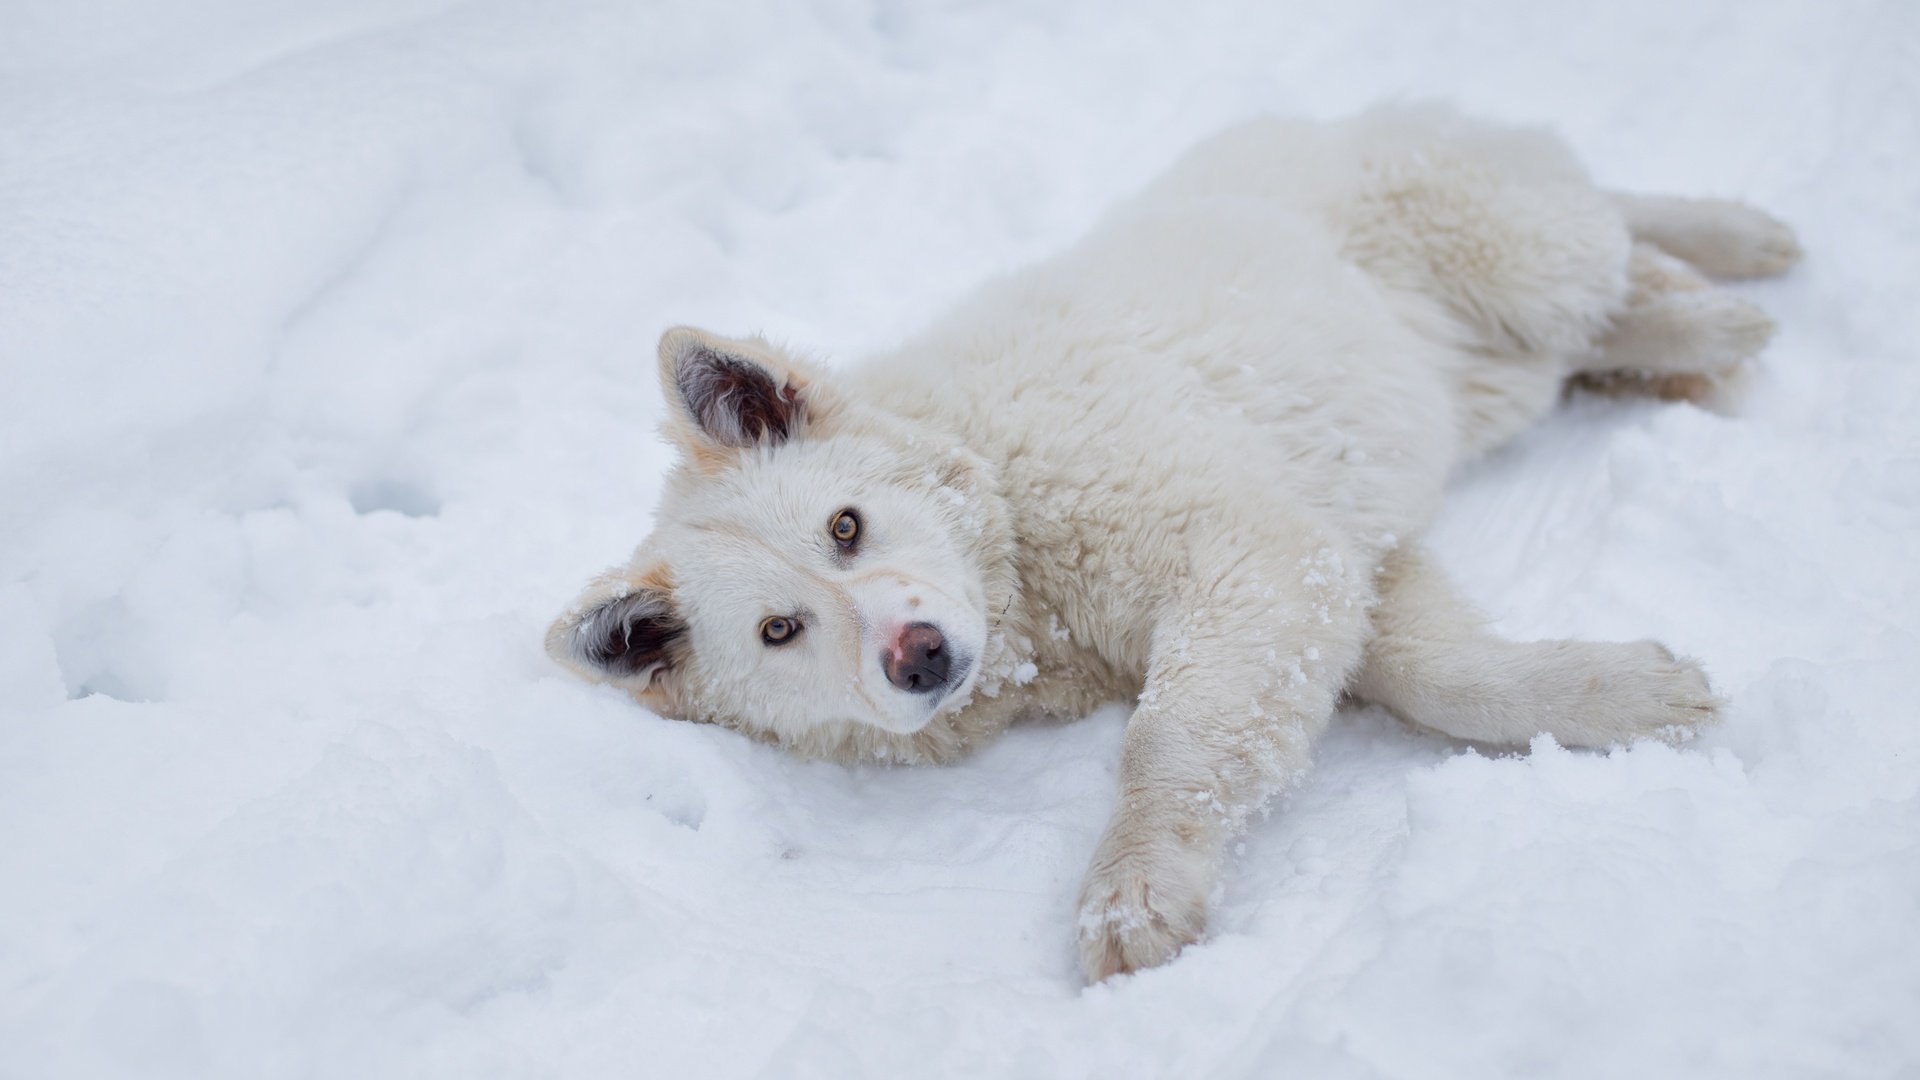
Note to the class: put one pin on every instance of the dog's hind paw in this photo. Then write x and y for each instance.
(1637, 690)
(1724, 238)
(1734, 240)
(1683, 701)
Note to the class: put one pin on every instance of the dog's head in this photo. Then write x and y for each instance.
(817, 565)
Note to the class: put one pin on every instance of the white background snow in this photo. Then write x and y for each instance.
(326, 377)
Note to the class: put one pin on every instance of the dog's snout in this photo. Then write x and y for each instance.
(919, 661)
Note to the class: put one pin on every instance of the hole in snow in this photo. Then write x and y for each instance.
(108, 650)
(411, 500)
(684, 806)
(106, 684)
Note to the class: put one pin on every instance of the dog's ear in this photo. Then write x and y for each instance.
(623, 629)
(732, 394)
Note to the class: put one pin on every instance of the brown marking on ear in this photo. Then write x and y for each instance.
(731, 394)
(734, 400)
(624, 627)
(703, 455)
(657, 577)
(661, 697)
(629, 637)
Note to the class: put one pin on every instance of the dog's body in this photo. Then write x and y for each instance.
(1185, 463)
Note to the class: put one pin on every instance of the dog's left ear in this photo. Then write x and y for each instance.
(625, 629)
(732, 394)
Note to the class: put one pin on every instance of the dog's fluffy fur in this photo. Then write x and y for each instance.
(1184, 464)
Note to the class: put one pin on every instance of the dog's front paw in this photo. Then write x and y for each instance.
(1140, 907)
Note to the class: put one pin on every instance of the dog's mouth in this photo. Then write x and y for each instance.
(956, 681)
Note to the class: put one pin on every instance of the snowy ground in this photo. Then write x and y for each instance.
(326, 338)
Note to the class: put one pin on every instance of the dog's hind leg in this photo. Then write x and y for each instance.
(1678, 337)
(1723, 238)
(1433, 663)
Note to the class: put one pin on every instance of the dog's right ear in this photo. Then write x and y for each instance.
(732, 394)
(623, 629)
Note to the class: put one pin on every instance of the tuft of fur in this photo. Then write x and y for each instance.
(1184, 463)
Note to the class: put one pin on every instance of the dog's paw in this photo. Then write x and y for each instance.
(1726, 328)
(1684, 340)
(1639, 690)
(1138, 910)
(1754, 244)
(1733, 240)
(1716, 391)
(1680, 701)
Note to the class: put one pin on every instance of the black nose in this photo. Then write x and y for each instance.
(919, 663)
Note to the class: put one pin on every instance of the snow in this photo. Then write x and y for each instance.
(326, 333)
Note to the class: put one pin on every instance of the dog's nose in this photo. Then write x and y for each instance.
(918, 662)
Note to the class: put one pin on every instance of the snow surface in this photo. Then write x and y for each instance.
(327, 335)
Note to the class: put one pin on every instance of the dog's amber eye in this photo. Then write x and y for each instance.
(846, 528)
(779, 630)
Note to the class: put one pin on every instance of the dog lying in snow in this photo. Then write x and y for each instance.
(1186, 463)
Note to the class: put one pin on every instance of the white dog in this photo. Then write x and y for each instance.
(1187, 463)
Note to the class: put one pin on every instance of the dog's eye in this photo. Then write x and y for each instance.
(846, 529)
(779, 630)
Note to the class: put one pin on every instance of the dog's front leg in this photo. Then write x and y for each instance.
(1244, 673)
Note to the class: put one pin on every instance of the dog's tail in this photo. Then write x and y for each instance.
(1720, 237)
